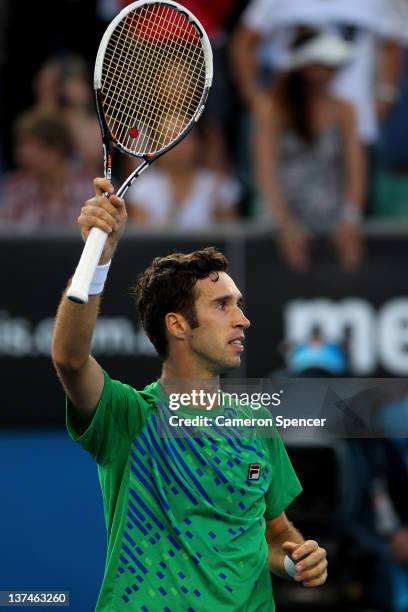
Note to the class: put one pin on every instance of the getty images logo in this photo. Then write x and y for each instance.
(254, 471)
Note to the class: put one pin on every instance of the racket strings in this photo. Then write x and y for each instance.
(159, 83)
(153, 77)
(116, 58)
(160, 92)
(144, 98)
(180, 53)
(132, 120)
(161, 86)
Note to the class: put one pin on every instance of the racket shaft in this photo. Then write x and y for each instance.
(125, 186)
(81, 281)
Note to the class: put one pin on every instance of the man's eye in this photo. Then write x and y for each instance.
(221, 305)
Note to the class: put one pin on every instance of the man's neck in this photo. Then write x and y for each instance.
(178, 379)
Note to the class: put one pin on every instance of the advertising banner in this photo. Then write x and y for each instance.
(366, 312)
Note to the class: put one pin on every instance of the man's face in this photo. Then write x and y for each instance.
(218, 342)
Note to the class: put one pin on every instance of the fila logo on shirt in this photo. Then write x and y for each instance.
(254, 471)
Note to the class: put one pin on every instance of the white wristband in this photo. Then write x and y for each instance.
(289, 566)
(99, 278)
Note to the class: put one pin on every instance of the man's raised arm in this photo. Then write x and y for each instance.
(80, 374)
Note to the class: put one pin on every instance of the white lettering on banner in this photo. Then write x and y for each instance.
(20, 337)
(374, 339)
(15, 336)
(43, 335)
(393, 336)
(113, 336)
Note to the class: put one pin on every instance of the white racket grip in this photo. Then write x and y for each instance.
(79, 289)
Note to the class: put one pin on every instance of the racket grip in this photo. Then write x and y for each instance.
(91, 254)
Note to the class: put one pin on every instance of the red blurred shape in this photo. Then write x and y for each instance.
(157, 23)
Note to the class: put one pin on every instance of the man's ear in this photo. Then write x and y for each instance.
(176, 325)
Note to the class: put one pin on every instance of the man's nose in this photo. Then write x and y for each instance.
(243, 321)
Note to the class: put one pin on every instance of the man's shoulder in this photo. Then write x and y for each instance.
(148, 395)
(151, 389)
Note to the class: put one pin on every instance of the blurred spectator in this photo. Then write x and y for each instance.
(47, 189)
(365, 23)
(179, 191)
(63, 86)
(308, 160)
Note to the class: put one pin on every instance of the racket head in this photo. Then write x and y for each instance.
(153, 73)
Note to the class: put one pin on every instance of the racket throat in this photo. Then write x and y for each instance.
(130, 180)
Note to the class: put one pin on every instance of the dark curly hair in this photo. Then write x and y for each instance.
(167, 285)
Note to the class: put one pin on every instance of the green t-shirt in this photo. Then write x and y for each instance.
(185, 524)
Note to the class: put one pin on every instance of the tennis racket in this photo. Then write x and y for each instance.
(153, 73)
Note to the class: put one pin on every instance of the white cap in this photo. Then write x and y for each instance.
(326, 48)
